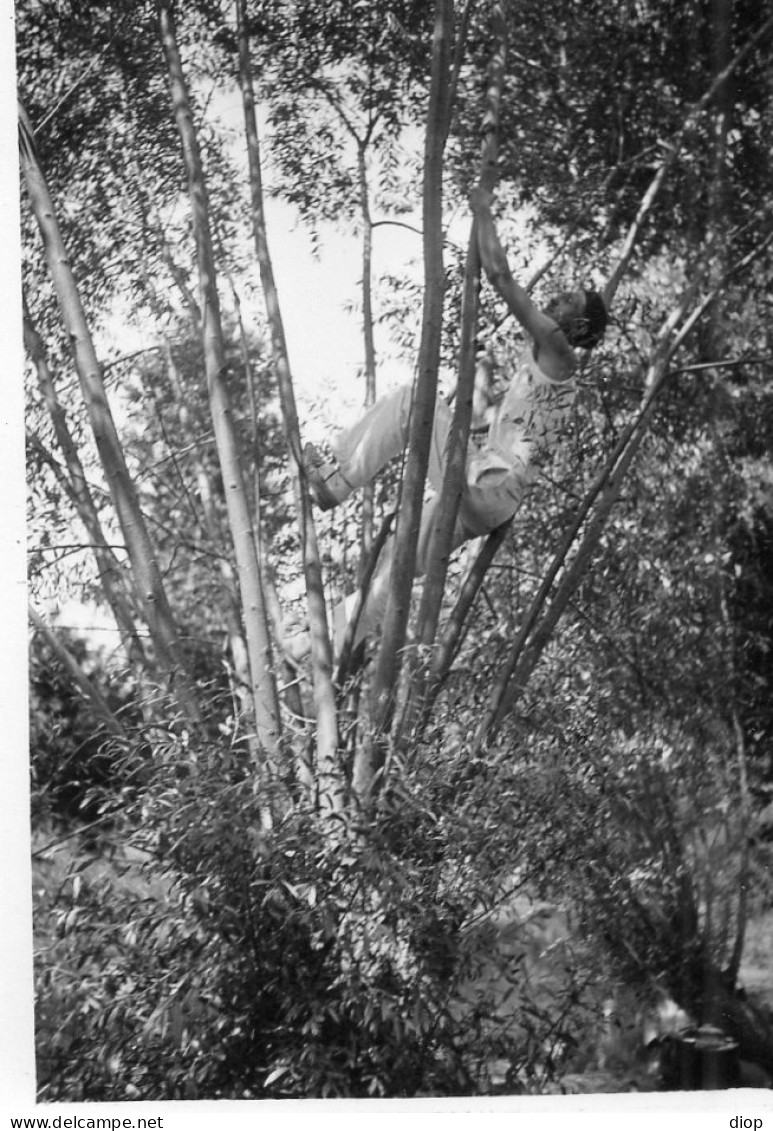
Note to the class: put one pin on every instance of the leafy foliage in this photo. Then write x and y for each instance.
(244, 965)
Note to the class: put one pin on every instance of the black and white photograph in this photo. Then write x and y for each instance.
(395, 379)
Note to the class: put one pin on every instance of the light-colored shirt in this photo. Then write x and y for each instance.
(528, 422)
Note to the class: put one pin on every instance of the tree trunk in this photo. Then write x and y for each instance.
(330, 782)
(454, 632)
(456, 452)
(149, 589)
(207, 484)
(206, 493)
(371, 761)
(366, 530)
(263, 686)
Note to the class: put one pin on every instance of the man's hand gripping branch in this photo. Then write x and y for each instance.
(551, 348)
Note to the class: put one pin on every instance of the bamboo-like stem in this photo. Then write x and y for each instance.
(370, 763)
(262, 682)
(442, 537)
(368, 569)
(366, 528)
(330, 781)
(456, 449)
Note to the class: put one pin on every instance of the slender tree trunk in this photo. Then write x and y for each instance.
(455, 631)
(149, 589)
(441, 545)
(366, 576)
(208, 518)
(456, 452)
(289, 690)
(710, 344)
(207, 483)
(721, 25)
(263, 686)
(369, 765)
(330, 782)
(206, 493)
(366, 530)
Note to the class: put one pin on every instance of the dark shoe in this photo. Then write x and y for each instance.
(327, 485)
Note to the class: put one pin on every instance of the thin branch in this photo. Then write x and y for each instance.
(396, 224)
(72, 546)
(78, 82)
(39, 852)
(129, 357)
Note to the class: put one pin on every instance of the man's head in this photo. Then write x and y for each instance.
(581, 315)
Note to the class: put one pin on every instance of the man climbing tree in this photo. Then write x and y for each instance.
(515, 418)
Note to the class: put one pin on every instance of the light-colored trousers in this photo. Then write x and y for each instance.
(365, 448)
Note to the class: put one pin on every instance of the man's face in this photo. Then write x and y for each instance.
(568, 310)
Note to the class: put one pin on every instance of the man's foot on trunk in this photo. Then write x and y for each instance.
(327, 485)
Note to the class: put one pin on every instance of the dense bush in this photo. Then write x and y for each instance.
(298, 962)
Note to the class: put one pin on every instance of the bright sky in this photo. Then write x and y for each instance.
(324, 339)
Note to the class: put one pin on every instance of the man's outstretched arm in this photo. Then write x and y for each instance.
(553, 352)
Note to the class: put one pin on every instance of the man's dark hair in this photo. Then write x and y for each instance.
(583, 326)
(595, 318)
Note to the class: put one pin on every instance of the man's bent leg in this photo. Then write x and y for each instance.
(380, 434)
(484, 508)
(360, 451)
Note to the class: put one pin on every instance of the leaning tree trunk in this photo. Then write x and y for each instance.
(441, 544)
(368, 494)
(330, 781)
(151, 597)
(453, 479)
(370, 761)
(207, 487)
(263, 686)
